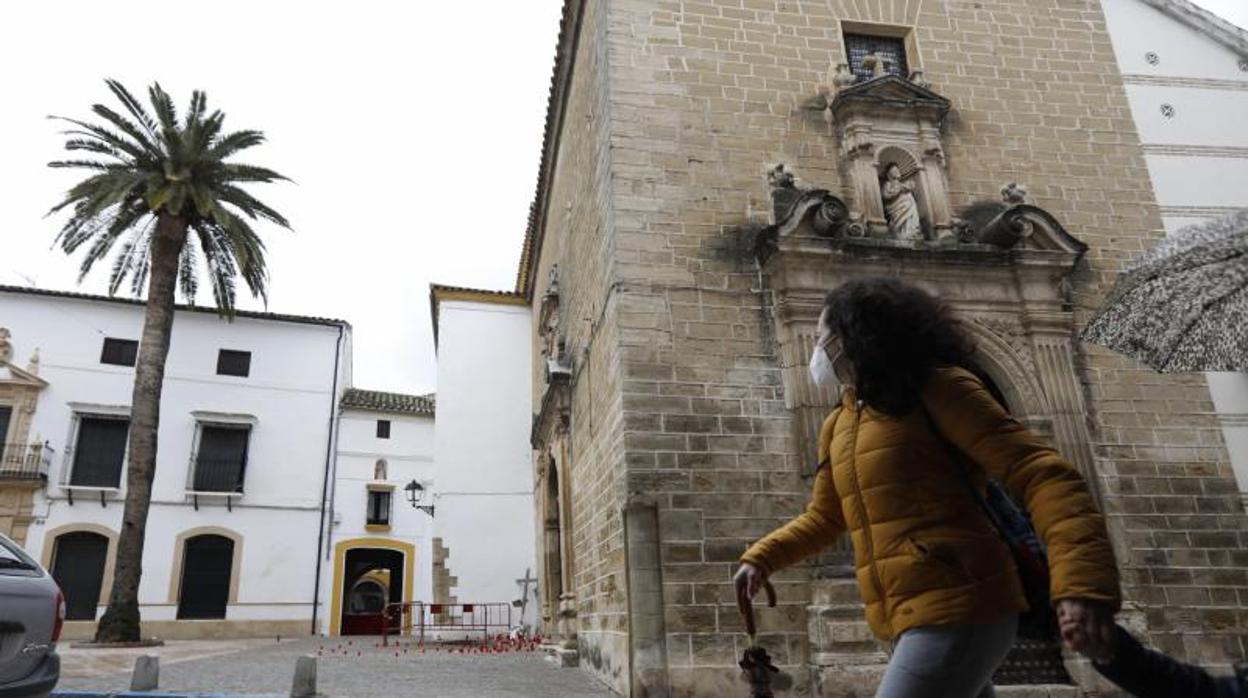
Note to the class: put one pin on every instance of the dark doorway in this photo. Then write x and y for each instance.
(1036, 657)
(5, 412)
(78, 567)
(207, 563)
(364, 589)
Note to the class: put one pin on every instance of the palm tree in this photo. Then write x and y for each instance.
(164, 190)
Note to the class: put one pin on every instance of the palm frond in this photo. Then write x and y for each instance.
(133, 254)
(99, 133)
(88, 165)
(188, 264)
(233, 142)
(127, 127)
(135, 108)
(219, 257)
(250, 206)
(249, 173)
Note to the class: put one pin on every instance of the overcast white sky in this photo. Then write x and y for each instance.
(412, 130)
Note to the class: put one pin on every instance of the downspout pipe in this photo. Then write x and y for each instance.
(329, 458)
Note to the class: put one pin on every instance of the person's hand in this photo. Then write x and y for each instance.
(1087, 627)
(747, 581)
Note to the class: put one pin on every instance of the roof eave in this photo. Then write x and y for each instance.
(565, 55)
(1229, 35)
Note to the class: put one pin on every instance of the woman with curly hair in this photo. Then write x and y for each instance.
(937, 579)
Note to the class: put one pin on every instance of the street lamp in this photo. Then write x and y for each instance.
(415, 493)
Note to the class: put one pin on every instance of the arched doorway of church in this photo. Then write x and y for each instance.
(1036, 657)
(372, 578)
(553, 525)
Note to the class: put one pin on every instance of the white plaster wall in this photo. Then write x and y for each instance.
(1136, 28)
(1205, 160)
(482, 454)
(1202, 116)
(288, 392)
(409, 456)
(1182, 180)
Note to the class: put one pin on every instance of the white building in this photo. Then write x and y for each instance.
(380, 543)
(245, 448)
(482, 454)
(1186, 76)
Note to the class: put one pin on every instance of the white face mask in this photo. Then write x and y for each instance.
(821, 370)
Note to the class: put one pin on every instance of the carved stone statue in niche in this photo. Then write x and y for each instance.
(900, 207)
(554, 348)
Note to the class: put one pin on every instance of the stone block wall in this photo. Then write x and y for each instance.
(675, 112)
(705, 96)
(576, 236)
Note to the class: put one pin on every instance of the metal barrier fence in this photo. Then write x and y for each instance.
(417, 618)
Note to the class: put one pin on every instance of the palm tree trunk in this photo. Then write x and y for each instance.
(120, 622)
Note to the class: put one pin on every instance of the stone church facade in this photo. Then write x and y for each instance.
(709, 171)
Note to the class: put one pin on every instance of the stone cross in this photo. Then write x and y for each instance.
(524, 589)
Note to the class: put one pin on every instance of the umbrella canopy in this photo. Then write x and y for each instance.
(1183, 306)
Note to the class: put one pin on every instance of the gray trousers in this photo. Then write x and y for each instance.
(947, 661)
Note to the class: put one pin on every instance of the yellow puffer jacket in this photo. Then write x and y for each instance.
(924, 551)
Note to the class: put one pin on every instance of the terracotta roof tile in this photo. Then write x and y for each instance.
(380, 401)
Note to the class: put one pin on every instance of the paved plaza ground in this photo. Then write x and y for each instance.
(345, 670)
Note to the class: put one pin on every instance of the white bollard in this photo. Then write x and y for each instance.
(146, 675)
(304, 685)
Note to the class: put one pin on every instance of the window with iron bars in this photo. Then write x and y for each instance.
(891, 49)
(221, 461)
(378, 508)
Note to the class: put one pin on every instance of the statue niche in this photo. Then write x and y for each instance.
(901, 207)
(893, 157)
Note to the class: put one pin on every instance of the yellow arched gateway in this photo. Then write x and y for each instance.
(341, 572)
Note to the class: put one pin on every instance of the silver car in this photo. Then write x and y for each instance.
(32, 611)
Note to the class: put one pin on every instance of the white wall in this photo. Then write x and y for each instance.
(483, 460)
(288, 393)
(1198, 159)
(409, 456)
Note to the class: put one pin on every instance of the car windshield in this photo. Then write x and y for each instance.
(12, 557)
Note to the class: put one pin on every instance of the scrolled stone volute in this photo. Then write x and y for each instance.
(830, 218)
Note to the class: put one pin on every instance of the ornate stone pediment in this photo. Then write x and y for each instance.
(890, 91)
(11, 374)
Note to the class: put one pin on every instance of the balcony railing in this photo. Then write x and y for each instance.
(25, 461)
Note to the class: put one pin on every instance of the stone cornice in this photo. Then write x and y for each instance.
(1176, 81)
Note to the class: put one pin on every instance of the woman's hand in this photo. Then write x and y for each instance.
(1087, 627)
(747, 581)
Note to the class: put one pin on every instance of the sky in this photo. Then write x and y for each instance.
(412, 131)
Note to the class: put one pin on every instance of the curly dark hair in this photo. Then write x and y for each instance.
(893, 334)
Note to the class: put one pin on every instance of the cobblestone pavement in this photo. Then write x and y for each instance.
(345, 671)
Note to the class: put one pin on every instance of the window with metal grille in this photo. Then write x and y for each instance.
(233, 363)
(207, 565)
(99, 451)
(891, 49)
(221, 462)
(383, 428)
(379, 508)
(119, 352)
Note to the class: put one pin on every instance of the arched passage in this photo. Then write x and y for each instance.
(360, 562)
